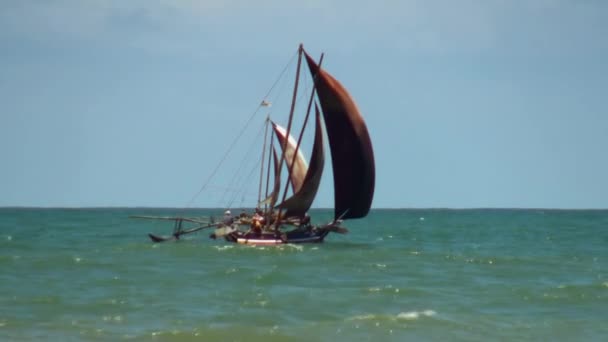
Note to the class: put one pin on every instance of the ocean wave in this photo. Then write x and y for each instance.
(298, 248)
(411, 315)
(362, 317)
(407, 315)
(223, 248)
(580, 286)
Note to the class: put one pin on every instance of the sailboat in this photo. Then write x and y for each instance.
(280, 219)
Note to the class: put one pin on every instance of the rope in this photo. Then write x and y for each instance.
(244, 160)
(246, 178)
(189, 204)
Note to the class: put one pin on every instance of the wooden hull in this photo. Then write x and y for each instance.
(270, 238)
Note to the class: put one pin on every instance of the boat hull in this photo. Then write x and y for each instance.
(158, 238)
(271, 238)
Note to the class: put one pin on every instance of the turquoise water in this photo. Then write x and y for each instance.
(458, 275)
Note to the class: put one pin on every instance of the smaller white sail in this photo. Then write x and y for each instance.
(299, 166)
(301, 201)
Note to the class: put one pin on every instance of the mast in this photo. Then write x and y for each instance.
(292, 109)
(262, 163)
(312, 96)
(268, 173)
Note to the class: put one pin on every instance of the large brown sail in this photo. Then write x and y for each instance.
(351, 148)
(300, 202)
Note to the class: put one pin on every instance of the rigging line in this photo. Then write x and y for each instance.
(243, 186)
(279, 95)
(238, 177)
(254, 168)
(263, 157)
(235, 177)
(240, 133)
(241, 180)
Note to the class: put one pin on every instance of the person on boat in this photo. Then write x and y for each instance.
(257, 221)
(258, 215)
(228, 219)
(305, 221)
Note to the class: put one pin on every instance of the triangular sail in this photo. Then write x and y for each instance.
(351, 148)
(299, 166)
(300, 202)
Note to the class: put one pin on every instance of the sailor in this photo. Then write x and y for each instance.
(305, 223)
(258, 215)
(257, 221)
(228, 220)
(305, 220)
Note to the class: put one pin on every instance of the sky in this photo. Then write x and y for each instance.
(469, 103)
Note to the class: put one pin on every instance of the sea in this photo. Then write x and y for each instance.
(399, 275)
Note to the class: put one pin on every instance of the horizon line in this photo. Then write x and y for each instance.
(223, 208)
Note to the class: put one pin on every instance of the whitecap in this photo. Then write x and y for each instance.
(412, 315)
(408, 315)
(361, 317)
(299, 248)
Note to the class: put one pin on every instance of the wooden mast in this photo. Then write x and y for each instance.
(291, 111)
(270, 155)
(312, 96)
(262, 163)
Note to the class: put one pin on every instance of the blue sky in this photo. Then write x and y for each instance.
(469, 103)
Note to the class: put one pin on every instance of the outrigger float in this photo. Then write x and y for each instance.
(279, 222)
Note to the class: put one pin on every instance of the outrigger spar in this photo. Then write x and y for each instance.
(279, 219)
